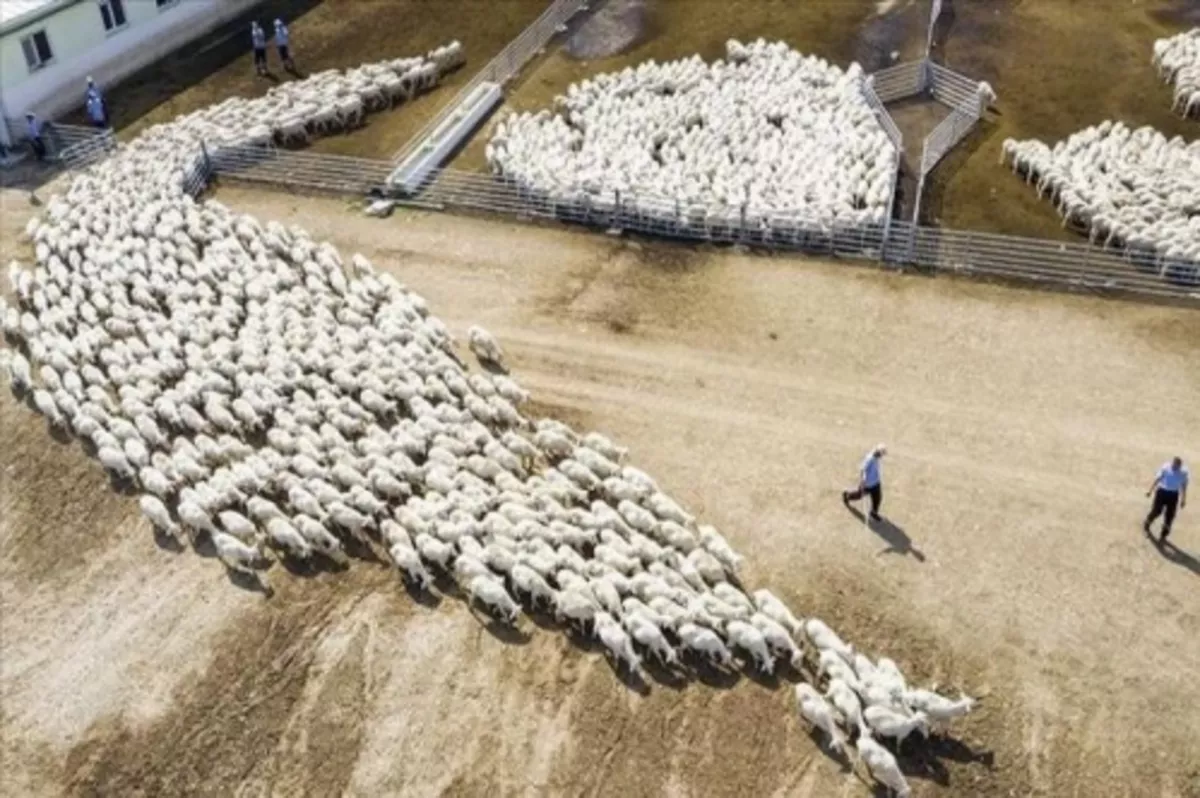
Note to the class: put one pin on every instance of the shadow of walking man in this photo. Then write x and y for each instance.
(896, 538)
(1169, 551)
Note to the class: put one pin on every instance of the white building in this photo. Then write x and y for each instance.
(49, 47)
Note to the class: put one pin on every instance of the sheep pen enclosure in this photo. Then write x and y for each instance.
(132, 663)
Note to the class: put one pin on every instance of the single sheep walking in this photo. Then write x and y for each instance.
(1170, 493)
(870, 481)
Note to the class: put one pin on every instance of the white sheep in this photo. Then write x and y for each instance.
(887, 722)
(617, 641)
(705, 643)
(882, 765)
(484, 347)
(490, 592)
(235, 554)
(410, 565)
(817, 711)
(824, 638)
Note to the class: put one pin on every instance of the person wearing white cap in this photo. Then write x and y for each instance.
(1170, 493)
(282, 40)
(870, 481)
(258, 40)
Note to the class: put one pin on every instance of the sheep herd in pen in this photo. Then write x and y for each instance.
(764, 136)
(1177, 60)
(1131, 187)
(325, 102)
(264, 395)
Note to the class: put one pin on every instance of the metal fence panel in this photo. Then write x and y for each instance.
(900, 81)
(503, 66)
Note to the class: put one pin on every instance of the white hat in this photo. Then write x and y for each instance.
(279, 23)
(880, 449)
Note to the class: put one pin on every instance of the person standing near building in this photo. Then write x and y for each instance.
(282, 42)
(1170, 494)
(94, 101)
(259, 40)
(34, 128)
(870, 481)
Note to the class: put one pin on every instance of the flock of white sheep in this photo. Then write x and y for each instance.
(262, 393)
(1177, 60)
(1131, 187)
(765, 137)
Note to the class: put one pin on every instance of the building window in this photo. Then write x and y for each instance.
(165, 3)
(37, 50)
(113, 14)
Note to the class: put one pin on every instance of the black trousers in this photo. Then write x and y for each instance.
(875, 492)
(260, 58)
(1166, 502)
(39, 147)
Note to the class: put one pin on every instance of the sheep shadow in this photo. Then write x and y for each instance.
(122, 486)
(203, 545)
(665, 676)
(917, 759)
(310, 568)
(1172, 553)
(943, 746)
(821, 742)
(426, 597)
(251, 583)
(630, 678)
(505, 633)
(751, 671)
(59, 435)
(895, 537)
(709, 675)
(166, 541)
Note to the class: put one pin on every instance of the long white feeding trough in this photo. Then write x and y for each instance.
(445, 138)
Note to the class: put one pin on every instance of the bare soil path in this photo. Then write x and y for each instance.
(1023, 427)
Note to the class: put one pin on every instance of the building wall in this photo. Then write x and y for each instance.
(81, 47)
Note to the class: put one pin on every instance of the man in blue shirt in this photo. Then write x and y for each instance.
(870, 481)
(259, 41)
(94, 102)
(1170, 492)
(282, 40)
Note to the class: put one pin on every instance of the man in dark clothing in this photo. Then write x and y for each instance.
(34, 126)
(1170, 493)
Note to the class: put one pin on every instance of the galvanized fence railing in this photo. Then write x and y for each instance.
(503, 66)
(1076, 266)
(340, 174)
(950, 88)
(79, 146)
(900, 81)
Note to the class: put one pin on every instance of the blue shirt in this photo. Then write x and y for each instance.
(35, 127)
(94, 94)
(871, 471)
(281, 36)
(95, 109)
(1174, 481)
(259, 38)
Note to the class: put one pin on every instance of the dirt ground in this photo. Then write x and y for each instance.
(326, 34)
(1023, 427)
(1057, 66)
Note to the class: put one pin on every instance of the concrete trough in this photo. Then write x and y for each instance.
(414, 170)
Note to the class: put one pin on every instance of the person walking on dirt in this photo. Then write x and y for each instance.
(259, 39)
(282, 40)
(870, 481)
(1170, 493)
